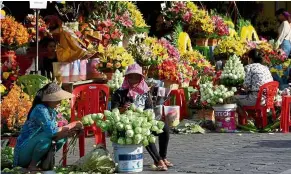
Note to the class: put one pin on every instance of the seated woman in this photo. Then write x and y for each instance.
(40, 128)
(135, 90)
(256, 75)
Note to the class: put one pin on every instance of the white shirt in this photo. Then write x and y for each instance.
(284, 32)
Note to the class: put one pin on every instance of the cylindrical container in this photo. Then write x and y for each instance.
(74, 71)
(128, 157)
(83, 69)
(225, 117)
(61, 71)
(172, 115)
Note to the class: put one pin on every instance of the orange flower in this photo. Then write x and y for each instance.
(13, 33)
(15, 107)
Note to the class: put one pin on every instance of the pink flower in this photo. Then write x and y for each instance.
(187, 16)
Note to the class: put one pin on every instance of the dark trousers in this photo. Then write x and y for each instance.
(163, 145)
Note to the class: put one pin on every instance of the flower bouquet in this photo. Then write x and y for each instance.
(14, 109)
(201, 24)
(221, 28)
(159, 51)
(203, 70)
(230, 46)
(113, 57)
(9, 71)
(142, 52)
(13, 33)
(116, 82)
(30, 23)
(212, 95)
(109, 31)
(185, 73)
(168, 71)
(195, 21)
(233, 73)
(125, 16)
(135, 126)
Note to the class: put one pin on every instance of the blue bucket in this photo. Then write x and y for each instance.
(128, 157)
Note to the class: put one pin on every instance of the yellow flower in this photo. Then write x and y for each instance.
(2, 88)
(100, 48)
(6, 75)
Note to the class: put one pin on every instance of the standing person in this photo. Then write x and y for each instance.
(256, 76)
(135, 90)
(284, 31)
(46, 66)
(40, 129)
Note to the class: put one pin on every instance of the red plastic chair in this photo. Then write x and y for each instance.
(285, 114)
(87, 101)
(269, 91)
(180, 100)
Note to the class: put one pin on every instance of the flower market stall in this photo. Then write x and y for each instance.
(194, 73)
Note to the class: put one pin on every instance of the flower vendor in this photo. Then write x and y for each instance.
(284, 31)
(40, 129)
(135, 90)
(256, 76)
(47, 62)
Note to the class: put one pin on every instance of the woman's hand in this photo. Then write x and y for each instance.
(124, 108)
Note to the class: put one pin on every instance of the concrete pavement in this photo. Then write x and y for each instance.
(221, 153)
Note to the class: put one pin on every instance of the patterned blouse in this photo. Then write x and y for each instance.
(257, 75)
(42, 119)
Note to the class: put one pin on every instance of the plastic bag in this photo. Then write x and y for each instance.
(69, 48)
(97, 160)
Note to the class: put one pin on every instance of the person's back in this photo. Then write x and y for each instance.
(257, 75)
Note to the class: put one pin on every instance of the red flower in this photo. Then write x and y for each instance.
(99, 28)
(12, 77)
(107, 36)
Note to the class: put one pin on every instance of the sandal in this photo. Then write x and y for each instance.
(161, 167)
(168, 163)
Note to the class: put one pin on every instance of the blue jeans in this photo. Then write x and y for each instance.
(36, 149)
(286, 47)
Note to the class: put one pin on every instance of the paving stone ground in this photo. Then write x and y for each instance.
(221, 154)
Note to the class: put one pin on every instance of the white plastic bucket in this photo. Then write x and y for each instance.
(172, 115)
(128, 157)
(225, 117)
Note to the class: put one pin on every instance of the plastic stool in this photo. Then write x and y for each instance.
(285, 114)
(87, 101)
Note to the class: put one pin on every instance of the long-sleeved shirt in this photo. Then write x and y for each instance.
(41, 119)
(284, 32)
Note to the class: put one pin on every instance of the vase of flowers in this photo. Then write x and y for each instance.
(112, 58)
